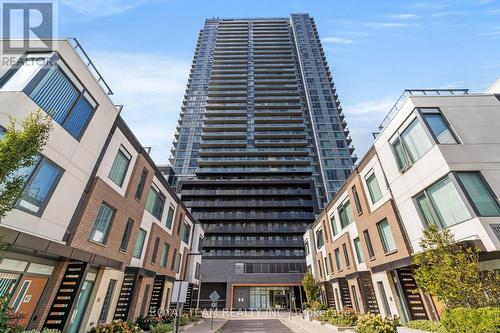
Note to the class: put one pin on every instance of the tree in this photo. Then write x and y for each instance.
(310, 287)
(450, 271)
(18, 149)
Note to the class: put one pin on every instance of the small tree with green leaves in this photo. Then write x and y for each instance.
(450, 271)
(18, 149)
(310, 287)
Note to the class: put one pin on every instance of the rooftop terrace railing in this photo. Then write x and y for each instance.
(418, 92)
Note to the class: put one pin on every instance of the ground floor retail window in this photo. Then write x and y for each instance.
(270, 297)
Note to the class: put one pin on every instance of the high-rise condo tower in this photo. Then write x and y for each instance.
(261, 146)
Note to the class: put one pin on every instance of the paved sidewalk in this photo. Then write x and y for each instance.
(204, 327)
(299, 325)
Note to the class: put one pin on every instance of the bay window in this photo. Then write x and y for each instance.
(442, 205)
(438, 126)
(479, 193)
(410, 144)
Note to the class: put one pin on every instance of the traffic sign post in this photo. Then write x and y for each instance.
(214, 297)
(179, 294)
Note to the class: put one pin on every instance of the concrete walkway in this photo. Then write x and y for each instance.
(299, 325)
(204, 327)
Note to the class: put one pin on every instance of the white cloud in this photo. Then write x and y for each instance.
(371, 108)
(363, 119)
(387, 25)
(484, 2)
(450, 13)
(337, 40)
(151, 88)
(102, 8)
(403, 16)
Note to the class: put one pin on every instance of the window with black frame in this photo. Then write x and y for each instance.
(49, 82)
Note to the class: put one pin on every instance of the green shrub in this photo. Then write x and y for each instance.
(162, 328)
(426, 325)
(344, 318)
(117, 326)
(371, 323)
(465, 320)
(314, 306)
(45, 330)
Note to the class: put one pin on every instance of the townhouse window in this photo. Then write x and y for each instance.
(346, 255)
(186, 233)
(142, 183)
(438, 126)
(126, 235)
(139, 243)
(373, 187)
(107, 301)
(410, 145)
(479, 193)
(179, 260)
(319, 238)
(120, 166)
(330, 261)
(41, 181)
(357, 202)
(442, 205)
(320, 268)
(2, 132)
(306, 248)
(359, 251)
(174, 257)
(384, 231)
(170, 217)
(369, 245)
(164, 255)
(333, 224)
(345, 214)
(326, 233)
(47, 80)
(197, 271)
(155, 202)
(155, 250)
(327, 271)
(179, 225)
(200, 245)
(102, 224)
(338, 260)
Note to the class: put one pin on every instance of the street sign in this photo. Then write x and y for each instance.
(214, 296)
(179, 292)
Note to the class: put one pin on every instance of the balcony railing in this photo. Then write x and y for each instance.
(227, 228)
(252, 243)
(248, 192)
(252, 216)
(418, 92)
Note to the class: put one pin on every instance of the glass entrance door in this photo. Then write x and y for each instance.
(80, 306)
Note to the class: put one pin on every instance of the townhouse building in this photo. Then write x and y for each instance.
(98, 233)
(434, 162)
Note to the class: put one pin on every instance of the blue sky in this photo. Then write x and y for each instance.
(375, 49)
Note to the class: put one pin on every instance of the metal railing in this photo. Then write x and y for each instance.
(418, 92)
(90, 65)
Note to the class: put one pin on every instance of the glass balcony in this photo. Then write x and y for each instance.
(253, 215)
(253, 243)
(228, 228)
(248, 192)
